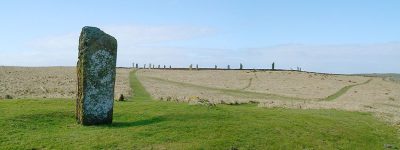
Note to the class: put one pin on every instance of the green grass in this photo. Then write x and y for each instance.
(139, 93)
(343, 91)
(149, 124)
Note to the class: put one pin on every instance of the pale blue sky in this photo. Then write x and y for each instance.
(342, 36)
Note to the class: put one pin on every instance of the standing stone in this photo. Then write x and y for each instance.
(273, 66)
(96, 77)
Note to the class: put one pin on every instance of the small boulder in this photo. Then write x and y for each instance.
(8, 97)
(121, 98)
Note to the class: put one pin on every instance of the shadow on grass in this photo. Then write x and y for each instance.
(58, 118)
(192, 117)
(62, 118)
(28, 121)
(50, 116)
(153, 120)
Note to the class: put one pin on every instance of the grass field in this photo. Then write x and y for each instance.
(144, 123)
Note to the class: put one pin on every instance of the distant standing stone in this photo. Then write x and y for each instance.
(96, 77)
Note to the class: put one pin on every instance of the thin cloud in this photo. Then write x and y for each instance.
(143, 44)
(63, 49)
(154, 34)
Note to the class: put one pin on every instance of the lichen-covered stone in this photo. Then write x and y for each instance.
(96, 77)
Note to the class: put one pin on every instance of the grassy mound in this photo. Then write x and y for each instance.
(149, 124)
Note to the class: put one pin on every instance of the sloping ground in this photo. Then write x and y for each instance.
(286, 83)
(353, 93)
(49, 82)
(378, 96)
(394, 77)
(220, 86)
(143, 123)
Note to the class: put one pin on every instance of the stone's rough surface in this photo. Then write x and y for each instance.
(96, 77)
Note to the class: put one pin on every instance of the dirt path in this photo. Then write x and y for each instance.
(248, 85)
(250, 81)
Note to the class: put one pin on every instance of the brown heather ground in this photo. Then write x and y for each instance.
(288, 89)
(49, 82)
